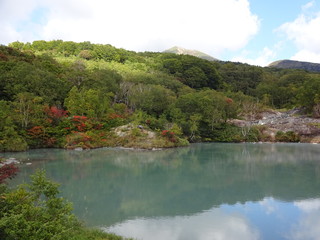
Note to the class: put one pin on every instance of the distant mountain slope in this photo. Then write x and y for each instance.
(290, 64)
(180, 50)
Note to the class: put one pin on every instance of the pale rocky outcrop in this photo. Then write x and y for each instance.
(306, 127)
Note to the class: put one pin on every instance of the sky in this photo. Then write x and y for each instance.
(257, 32)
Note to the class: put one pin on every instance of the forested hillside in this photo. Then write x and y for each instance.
(67, 94)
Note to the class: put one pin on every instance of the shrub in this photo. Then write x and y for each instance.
(169, 135)
(7, 171)
(36, 212)
(289, 136)
(11, 141)
(230, 133)
(78, 139)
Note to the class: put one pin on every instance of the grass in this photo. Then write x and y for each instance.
(317, 125)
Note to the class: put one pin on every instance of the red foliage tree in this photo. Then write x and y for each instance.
(55, 114)
(168, 134)
(80, 123)
(36, 131)
(8, 171)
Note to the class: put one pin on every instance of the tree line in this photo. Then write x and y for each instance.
(59, 94)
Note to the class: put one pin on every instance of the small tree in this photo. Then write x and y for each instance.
(35, 212)
(74, 102)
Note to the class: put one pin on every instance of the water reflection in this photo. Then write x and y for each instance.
(266, 219)
(260, 187)
(212, 224)
(307, 226)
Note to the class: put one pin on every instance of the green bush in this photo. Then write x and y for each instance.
(289, 136)
(35, 212)
(229, 133)
(11, 141)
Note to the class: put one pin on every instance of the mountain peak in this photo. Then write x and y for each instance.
(179, 50)
(291, 64)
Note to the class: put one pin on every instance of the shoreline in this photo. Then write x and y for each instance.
(13, 160)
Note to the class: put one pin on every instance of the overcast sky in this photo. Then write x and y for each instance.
(253, 31)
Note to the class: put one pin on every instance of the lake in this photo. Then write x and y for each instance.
(205, 191)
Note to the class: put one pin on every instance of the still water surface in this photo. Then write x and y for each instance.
(205, 191)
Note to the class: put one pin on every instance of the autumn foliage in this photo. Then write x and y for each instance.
(8, 171)
(55, 114)
(169, 134)
(80, 122)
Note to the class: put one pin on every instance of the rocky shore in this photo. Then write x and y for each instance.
(271, 122)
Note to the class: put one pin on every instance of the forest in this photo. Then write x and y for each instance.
(65, 94)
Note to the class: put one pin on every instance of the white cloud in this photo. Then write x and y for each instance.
(304, 32)
(269, 205)
(11, 12)
(264, 57)
(308, 225)
(211, 26)
(309, 205)
(307, 56)
(308, 5)
(213, 224)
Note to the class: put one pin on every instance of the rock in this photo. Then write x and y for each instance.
(9, 161)
(123, 131)
(78, 149)
(274, 121)
(315, 140)
(151, 134)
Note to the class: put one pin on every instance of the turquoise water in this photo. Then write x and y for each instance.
(205, 191)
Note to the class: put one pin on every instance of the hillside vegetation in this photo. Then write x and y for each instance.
(67, 94)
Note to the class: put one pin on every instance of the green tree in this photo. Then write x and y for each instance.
(21, 76)
(195, 77)
(28, 110)
(241, 77)
(68, 48)
(5, 112)
(17, 45)
(194, 126)
(10, 140)
(74, 102)
(309, 94)
(36, 212)
(91, 103)
(77, 74)
(104, 80)
(153, 99)
(208, 108)
(86, 54)
(192, 71)
(95, 104)
(40, 45)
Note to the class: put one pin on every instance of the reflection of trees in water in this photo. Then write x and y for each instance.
(127, 183)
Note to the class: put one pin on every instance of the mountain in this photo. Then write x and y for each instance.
(290, 64)
(180, 50)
